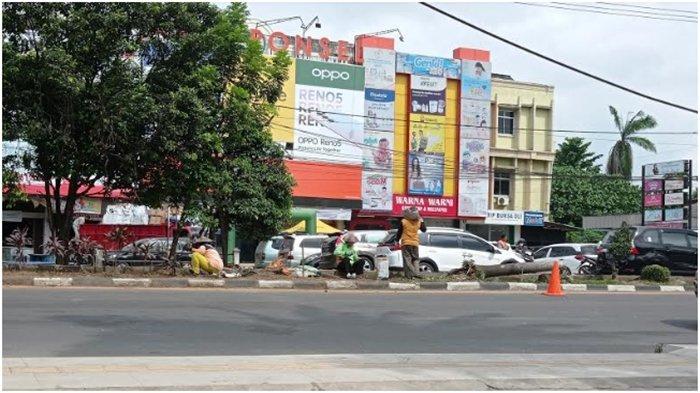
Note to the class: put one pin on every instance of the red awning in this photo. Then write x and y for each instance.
(97, 191)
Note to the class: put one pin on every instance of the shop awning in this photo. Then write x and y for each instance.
(321, 227)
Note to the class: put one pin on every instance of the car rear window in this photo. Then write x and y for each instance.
(649, 236)
(312, 243)
(677, 239)
(588, 250)
(277, 242)
(374, 237)
(610, 236)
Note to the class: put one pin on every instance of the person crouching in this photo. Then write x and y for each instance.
(205, 257)
(347, 257)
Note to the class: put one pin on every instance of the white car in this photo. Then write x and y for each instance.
(569, 255)
(369, 239)
(301, 247)
(444, 249)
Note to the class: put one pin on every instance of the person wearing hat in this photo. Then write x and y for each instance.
(348, 258)
(205, 257)
(407, 234)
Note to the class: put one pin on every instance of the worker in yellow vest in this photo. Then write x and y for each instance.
(408, 236)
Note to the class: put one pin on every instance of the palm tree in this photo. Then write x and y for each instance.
(620, 158)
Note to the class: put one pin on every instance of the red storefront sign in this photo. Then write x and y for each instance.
(427, 206)
(653, 199)
(666, 224)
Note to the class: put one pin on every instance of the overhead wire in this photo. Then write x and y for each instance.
(581, 5)
(558, 62)
(568, 7)
(623, 5)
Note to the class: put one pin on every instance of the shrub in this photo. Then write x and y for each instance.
(584, 236)
(656, 273)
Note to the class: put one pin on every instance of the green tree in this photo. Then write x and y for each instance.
(211, 152)
(577, 193)
(70, 93)
(573, 152)
(620, 158)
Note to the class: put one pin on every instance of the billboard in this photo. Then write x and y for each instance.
(473, 194)
(475, 119)
(426, 173)
(474, 156)
(428, 95)
(665, 169)
(427, 134)
(666, 193)
(476, 80)
(428, 66)
(378, 141)
(376, 191)
(427, 206)
(329, 124)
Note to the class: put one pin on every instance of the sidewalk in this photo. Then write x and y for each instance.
(676, 370)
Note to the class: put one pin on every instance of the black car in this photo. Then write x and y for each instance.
(676, 249)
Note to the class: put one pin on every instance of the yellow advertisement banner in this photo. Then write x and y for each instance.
(282, 127)
(427, 133)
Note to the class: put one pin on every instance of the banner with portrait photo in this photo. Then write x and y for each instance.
(474, 156)
(475, 122)
(476, 80)
(376, 191)
(426, 134)
(380, 68)
(426, 174)
(473, 195)
(379, 110)
(378, 151)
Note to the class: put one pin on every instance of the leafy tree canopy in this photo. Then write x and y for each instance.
(573, 152)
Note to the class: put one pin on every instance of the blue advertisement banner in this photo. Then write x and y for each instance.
(476, 80)
(426, 174)
(379, 95)
(428, 66)
(533, 219)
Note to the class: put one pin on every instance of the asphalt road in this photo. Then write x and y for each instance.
(160, 322)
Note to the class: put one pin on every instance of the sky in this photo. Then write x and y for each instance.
(656, 57)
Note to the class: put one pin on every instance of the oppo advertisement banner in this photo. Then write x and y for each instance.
(426, 173)
(329, 125)
(428, 66)
(378, 147)
(379, 110)
(428, 95)
(378, 141)
(376, 191)
(473, 193)
(475, 138)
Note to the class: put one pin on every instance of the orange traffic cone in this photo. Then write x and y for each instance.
(554, 288)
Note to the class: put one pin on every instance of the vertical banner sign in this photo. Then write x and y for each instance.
(378, 140)
(475, 138)
(426, 138)
(666, 201)
(329, 120)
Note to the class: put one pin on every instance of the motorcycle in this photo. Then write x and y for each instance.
(525, 253)
(593, 267)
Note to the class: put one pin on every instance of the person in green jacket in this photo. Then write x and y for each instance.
(347, 257)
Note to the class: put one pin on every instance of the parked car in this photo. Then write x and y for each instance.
(444, 249)
(301, 247)
(368, 241)
(676, 249)
(158, 247)
(569, 255)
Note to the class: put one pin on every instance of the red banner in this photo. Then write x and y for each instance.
(665, 224)
(428, 206)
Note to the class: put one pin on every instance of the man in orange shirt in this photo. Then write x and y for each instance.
(205, 257)
(409, 238)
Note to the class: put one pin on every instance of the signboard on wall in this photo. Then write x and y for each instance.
(475, 138)
(427, 66)
(426, 173)
(504, 217)
(307, 47)
(533, 219)
(427, 206)
(428, 95)
(329, 124)
(85, 206)
(666, 193)
(378, 142)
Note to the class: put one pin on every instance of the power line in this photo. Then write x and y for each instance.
(562, 64)
(625, 12)
(604, 12)
(396, 119)
(648, 8)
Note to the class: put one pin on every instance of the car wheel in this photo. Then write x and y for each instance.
(367, 264)
(426, 267)
(565, 271)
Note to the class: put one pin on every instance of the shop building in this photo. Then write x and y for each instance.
(370, 131)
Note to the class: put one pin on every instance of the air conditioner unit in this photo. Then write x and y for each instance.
(502, 200)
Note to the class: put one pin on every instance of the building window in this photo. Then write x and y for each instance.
(501, 183)
(506, 121)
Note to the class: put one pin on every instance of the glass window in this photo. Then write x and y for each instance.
(374, 237)
(673, 238)
(506, 121)
(312, 243)
(588, 250)
(693, 239)
(501, 183)
(446, 241)
(472, 243)
(562, 252)
(277, 243)
(541, 253)
(650, 236)
(422, 238)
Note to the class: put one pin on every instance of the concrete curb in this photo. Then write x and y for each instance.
(310, 284)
